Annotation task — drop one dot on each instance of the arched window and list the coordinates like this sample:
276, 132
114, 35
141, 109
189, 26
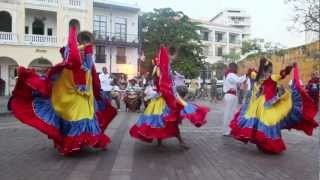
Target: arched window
38, 27
76, 23
5, 22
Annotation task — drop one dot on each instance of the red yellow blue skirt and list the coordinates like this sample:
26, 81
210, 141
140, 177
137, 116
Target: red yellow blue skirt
51, 104
158, 122
262, 125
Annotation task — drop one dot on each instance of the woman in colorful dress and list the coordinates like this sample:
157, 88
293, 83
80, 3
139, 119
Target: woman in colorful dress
269, 110
65, 104
166, 109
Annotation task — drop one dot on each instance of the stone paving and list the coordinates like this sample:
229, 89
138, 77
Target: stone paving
27, 154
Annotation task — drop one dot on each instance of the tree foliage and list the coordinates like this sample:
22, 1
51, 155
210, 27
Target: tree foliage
251, 45
166, 26
231, 57
306, 14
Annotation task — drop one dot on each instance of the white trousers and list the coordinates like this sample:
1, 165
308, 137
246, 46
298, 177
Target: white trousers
231, 103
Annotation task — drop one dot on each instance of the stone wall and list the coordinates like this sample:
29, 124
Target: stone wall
307, 57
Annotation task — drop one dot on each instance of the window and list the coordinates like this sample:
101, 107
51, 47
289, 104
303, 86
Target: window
100, 54
233, 38
121, 29
219, 51
219, 37
38, 27
100, 27
207, 51
121, 55
6, 22
204, 35
49, 31
26, 30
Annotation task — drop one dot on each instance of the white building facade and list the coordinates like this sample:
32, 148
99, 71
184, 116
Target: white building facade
236, 18
116, 27
32, 32
224, 34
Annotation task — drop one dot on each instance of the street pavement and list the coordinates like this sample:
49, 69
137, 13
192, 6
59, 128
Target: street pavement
26, 154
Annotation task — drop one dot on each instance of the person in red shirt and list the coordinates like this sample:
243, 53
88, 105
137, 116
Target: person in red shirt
313, 88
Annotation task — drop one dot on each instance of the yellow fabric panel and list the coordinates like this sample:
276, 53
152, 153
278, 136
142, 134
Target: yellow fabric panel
272, 115
155, 107
275, 77
69, 103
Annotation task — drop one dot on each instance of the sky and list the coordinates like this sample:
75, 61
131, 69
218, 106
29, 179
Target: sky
270, 18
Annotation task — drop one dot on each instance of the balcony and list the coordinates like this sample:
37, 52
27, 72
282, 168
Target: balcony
42, 4
74, 4
223, 41
40, 40
235, 42
116, 39
8, 37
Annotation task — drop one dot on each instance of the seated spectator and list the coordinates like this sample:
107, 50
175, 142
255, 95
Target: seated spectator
115, 94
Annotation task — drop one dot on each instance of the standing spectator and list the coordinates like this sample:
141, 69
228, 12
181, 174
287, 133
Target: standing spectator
178, 79
313, 88
106, 80
230, 83
241, 89
213, 89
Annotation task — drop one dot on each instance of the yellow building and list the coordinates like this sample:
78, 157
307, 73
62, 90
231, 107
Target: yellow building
32, 31
307, 57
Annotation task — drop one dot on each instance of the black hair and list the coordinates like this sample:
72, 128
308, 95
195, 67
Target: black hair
233, 66
172, 50
264, 65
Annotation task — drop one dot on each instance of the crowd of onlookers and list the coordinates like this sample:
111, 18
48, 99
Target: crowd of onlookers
136, 91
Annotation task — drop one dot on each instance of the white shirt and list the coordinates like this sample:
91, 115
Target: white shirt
179, 79
290, 82
248, 84
105, 81
231, 82
150, 93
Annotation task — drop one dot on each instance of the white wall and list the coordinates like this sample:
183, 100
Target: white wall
132, 19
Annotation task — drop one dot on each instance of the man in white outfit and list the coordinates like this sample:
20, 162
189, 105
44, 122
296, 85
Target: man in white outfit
105, 81
231, 80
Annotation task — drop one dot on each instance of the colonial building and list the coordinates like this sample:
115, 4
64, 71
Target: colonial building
32, 31
116, 29
236, 18
224, 34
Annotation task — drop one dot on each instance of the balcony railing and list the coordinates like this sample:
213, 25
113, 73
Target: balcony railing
224, 40
117, 39
8, 37
43, 3
40, 40
235, 42
77, 4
